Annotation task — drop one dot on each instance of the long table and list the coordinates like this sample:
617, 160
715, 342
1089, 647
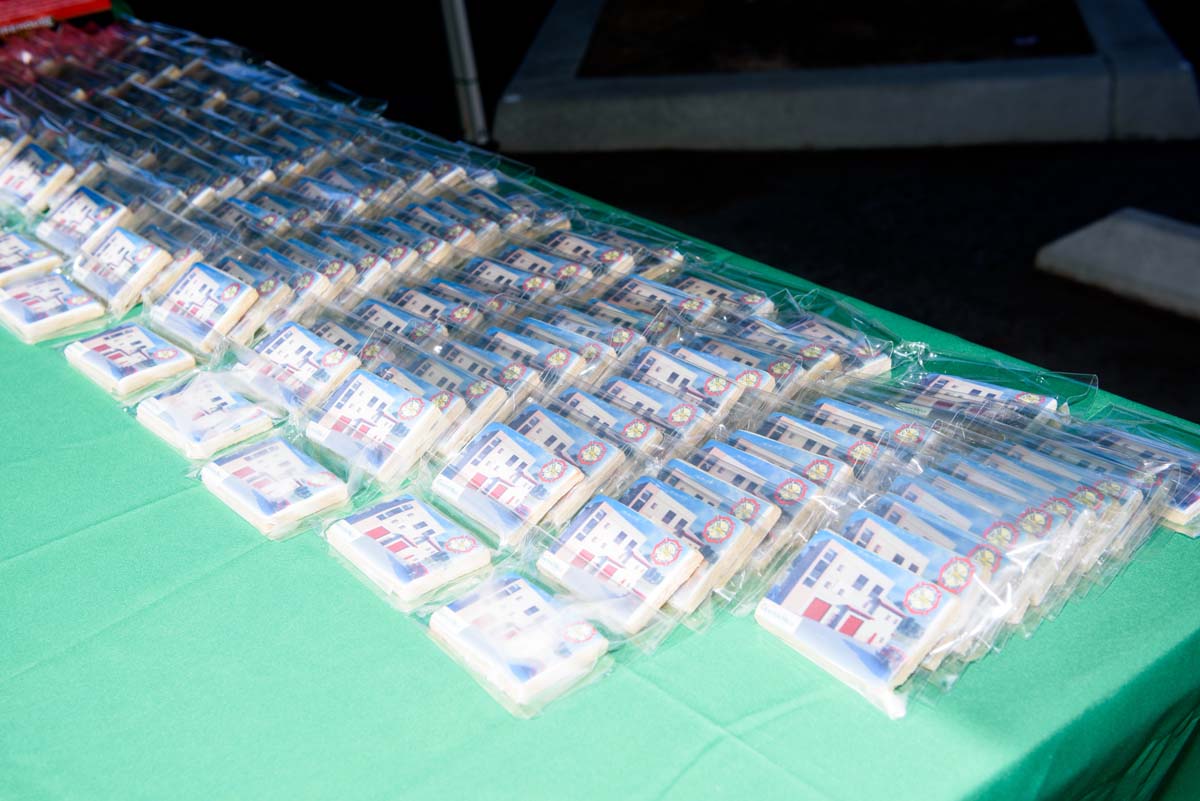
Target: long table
155, 646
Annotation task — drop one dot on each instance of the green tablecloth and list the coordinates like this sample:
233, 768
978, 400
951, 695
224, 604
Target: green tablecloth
154, 646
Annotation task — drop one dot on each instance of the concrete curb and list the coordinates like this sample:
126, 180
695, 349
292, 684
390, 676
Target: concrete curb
1135, 254
1137, 86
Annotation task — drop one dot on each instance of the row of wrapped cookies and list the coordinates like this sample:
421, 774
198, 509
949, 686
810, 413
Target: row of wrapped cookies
545, 431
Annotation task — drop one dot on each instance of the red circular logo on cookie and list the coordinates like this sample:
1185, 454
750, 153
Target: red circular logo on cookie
334, 357
861, 451
715, 385
592, 452
749, 378
681, 414
552, 471
718, 529
461, 543
557, 358
746, 509
985, 556
923, 598
230, 292
956, 574
818, 470
410, 408
790, 492
165, 354
1001, 534
1035, 522
666, 551
908, 434
579, 632
635, 430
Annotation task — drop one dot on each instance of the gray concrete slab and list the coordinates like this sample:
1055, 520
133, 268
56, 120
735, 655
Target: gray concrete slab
1138, 90
1135, 254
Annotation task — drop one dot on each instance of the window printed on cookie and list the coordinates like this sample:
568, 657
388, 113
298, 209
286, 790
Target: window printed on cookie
272, 484
401, 257
451, 405
653, 326
687, 420
45, 305
857, 451
744, 376
331, 201
827, 472
865, 356
433, 249
596, 456
420, 302
202, 306
484, 399
553, 362
489, 302
940, 391
518, 379
387, 321
375, 426
617, 261
798, 498
993, 595
250, 219
625, 341
757, 514
816, 357
505, 482
872, 422
119, 268
565, 273
339, 272
650, 253
788, 374
907, 515
127, 358
372, 272
711, 531
650, 297
733, 300
724, 555
627, 427
274, 296
433, 223
622, 564
81, 221
488, 275
1184, 503
485, 229
202, 416
716, 393
32, 177
373, 187
296, 366
863, 619
407, 548
22, 257
599, 358
919, 556
519, 640
496, 208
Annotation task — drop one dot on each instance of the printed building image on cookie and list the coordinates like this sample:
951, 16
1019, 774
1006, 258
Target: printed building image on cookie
406, 547
505, 482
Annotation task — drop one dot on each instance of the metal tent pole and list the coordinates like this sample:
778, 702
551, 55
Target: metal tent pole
466, 79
